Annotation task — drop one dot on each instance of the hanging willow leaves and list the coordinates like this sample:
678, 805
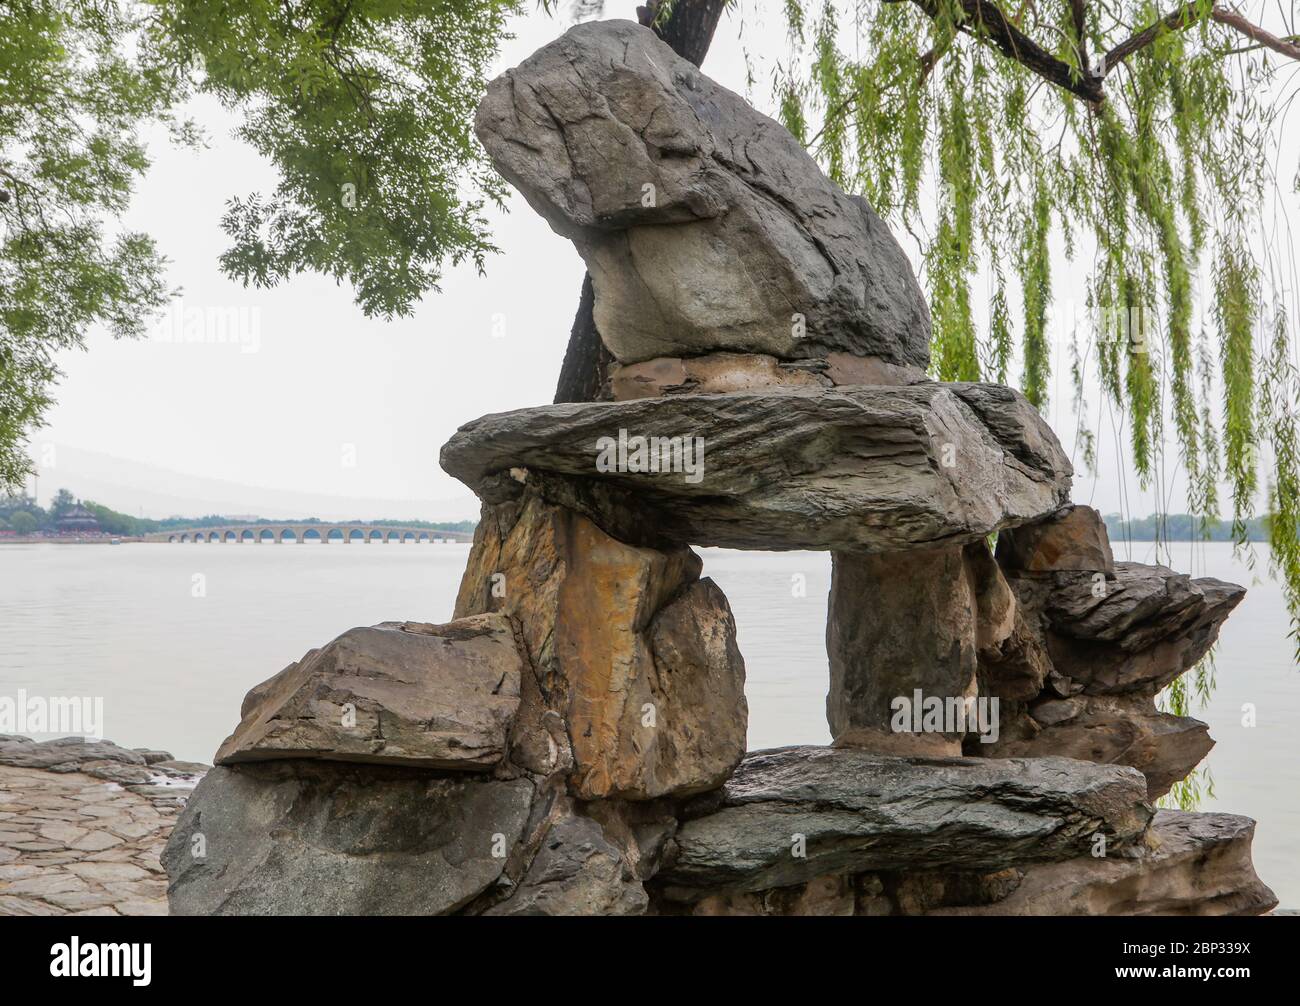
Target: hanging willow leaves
1142, 142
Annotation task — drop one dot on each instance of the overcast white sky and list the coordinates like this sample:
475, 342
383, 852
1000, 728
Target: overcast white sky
336, 415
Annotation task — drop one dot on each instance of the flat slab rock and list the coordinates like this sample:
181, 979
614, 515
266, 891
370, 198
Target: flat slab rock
704, 224
850, 811
310, 838
401, 693
856, 468
1190, 864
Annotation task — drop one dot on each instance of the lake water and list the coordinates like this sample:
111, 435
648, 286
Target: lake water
172, 636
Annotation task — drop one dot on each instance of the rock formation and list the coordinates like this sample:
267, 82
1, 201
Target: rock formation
658, 175
573, 742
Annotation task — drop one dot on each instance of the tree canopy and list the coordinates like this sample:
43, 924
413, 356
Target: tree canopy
364, 107
1140, 142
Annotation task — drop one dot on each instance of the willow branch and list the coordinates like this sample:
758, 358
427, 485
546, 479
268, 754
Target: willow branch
1185, 17
1255, 33
990, 24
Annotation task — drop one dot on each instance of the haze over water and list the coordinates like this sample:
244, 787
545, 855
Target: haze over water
124, 623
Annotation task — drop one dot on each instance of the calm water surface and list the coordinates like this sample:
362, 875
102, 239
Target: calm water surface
123, 622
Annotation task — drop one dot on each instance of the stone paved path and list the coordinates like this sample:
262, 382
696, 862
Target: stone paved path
74, 842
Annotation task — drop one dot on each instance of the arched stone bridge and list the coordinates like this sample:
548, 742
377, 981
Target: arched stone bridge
280, 533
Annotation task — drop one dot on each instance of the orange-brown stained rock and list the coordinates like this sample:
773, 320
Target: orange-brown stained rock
630, 650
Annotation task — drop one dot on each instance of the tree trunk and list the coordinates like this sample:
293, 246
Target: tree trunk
689, 31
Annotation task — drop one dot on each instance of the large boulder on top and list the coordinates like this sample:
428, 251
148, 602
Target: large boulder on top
867, 468
704, 224
402, 693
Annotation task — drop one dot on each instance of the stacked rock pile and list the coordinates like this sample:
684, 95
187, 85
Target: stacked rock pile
574, 740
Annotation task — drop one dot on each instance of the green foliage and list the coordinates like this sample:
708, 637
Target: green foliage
23, 522
1171, 527
72, 101
1150, 169
364, 107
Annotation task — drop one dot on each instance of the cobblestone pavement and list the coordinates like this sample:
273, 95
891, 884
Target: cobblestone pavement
75, 842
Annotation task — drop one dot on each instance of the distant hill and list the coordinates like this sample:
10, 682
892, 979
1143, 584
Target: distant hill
113, 522
150, 491
1179, 527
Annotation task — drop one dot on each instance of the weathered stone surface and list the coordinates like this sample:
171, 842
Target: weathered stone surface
1190, 864
1073, 538
72, 843
63, 754
665, 181
897, 622
316, 838
1111, 730
575, 872
402, 693
724, 373
862, 812
636, 677
1149, 625
1090, 651
1185, 865
853, 468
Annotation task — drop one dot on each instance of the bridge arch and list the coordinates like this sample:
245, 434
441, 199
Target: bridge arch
330, 534
229, 536
375, 536
246, 535
265, 535
356, 534
311, 534
423, 536
286, 534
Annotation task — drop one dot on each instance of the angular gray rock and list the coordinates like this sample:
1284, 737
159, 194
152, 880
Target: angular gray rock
401, 693
1185, 865
316, 838
576, 871
850, 811
666, 181
1090, 652
65, 754
1138, 631
1110, 730
852, 468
